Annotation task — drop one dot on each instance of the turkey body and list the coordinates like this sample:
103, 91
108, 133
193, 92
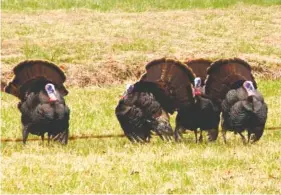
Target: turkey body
164, 88
40, 116
232, 84
204, 114
140, 111
39, 86
241, 112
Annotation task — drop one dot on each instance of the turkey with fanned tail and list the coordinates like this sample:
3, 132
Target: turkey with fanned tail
204, 112
243, 108
146, 105
39, 86
199, 68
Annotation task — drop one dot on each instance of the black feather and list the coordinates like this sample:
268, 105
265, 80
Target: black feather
139, 110
40, 113
204, 114
241, 110
40, 116
164, 88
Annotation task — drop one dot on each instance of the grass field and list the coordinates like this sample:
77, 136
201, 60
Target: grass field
114, 165
128, 5
113, 47
104, 44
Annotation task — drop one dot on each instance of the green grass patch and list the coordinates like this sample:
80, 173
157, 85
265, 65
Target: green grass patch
137, 45
113, 165
245, 46
35, 51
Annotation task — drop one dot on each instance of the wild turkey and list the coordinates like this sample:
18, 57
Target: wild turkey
243, 107
145, 106
204, 113
39, 86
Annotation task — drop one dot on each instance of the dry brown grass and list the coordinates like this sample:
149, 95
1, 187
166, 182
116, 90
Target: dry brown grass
104, 48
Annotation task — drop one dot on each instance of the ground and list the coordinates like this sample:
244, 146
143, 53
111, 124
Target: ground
101, 50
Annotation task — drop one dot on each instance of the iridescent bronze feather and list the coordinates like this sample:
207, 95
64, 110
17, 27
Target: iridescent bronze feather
29, 71
39, 86
164, 88
174, 78
226, 74
199, 67
231, 82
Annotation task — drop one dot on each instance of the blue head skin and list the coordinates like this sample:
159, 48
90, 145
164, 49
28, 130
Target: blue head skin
197, 82
249, 87
129, 89
197, 86
51, 91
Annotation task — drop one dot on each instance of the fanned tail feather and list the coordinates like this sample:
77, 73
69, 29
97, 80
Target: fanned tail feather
173, 78
199, 67
29, 71
227, 74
